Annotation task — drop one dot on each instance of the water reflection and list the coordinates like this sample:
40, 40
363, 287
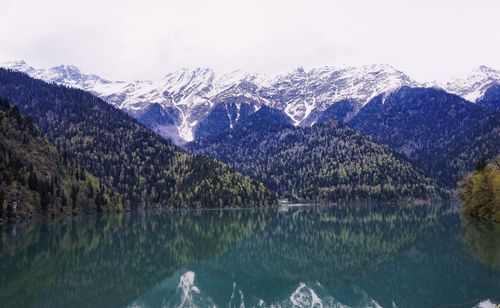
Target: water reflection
436, 271
482, 239
361, 256
109, 261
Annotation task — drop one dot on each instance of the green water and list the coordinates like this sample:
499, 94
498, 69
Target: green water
349, 256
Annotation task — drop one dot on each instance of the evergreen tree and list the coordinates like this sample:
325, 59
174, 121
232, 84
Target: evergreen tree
327, 162
2, 201
98, 140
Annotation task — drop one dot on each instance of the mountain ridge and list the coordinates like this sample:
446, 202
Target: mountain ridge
329, 162
194, 93
440, 132
193, 103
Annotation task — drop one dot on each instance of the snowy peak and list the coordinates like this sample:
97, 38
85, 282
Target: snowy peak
68, 75
71, 75
201, 83
199, 99
364, 82
183, 77
188, 84
192, 95
304, 95
473, 84
20, 65
488, 70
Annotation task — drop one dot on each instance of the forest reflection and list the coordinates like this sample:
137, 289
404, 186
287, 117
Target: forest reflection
117, 259
482, 239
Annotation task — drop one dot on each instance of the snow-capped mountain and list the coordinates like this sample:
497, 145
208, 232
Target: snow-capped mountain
187, 104
473, 85
68, 75
305, 95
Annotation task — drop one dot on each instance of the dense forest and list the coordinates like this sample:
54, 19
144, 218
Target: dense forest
342, 110
35, 179
480, 191
146, 169
330, 162
440, 132
491, 98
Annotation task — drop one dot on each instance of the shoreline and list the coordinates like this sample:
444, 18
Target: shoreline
60, 217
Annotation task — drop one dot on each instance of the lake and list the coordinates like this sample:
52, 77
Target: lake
308, 256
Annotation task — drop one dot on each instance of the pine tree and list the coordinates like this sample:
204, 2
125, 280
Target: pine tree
2, 201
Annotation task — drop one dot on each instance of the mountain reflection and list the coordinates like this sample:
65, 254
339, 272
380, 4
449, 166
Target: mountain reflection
109, 261
334, 246
304, 256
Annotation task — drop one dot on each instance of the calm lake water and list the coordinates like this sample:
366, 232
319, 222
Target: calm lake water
348, 256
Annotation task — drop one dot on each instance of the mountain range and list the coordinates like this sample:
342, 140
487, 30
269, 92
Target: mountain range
442, 133
327, 134
326, 162
190, 104
140, 167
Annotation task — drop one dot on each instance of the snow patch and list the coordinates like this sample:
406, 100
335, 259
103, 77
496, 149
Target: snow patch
304, 296
186, 285
486, 304
472, 85
297, 92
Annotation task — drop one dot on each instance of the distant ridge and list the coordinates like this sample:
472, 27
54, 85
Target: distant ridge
193, 103
328, 162
188, 101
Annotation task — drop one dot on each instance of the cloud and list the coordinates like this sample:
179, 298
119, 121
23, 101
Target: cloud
128, 39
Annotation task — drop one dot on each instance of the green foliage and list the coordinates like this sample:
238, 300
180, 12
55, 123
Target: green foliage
480, 191
328, 162
36, 180
146, 169
482, 240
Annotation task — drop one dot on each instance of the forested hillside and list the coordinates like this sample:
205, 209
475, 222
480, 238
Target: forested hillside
147, 169
491, 98
441, 132
36, 180
329, 162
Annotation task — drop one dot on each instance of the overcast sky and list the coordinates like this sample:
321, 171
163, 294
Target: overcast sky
126, 39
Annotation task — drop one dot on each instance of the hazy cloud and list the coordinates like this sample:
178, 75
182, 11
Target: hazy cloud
127, 39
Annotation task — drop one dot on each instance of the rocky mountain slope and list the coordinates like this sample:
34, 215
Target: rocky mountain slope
190, 104
187, 104
472, 85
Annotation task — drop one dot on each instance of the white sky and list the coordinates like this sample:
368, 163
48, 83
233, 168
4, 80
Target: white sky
145, 39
